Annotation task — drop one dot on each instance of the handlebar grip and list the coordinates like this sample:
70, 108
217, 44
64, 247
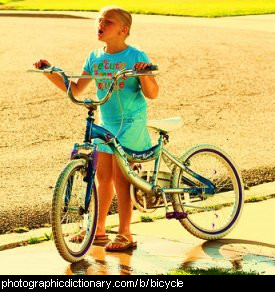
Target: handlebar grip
44, 67
148, 68
151, 68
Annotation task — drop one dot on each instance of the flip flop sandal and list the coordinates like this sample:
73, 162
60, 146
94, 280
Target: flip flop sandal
101, 239
122, 241
78, 238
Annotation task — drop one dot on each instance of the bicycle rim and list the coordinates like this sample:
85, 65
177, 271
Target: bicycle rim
68, 221
209, 216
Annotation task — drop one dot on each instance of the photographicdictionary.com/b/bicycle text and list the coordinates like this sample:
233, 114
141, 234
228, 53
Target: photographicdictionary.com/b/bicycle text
91, 282
163, 282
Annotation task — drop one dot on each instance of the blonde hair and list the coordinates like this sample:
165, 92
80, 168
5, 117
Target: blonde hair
124, 15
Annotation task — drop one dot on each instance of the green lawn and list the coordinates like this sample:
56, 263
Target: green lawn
203, 8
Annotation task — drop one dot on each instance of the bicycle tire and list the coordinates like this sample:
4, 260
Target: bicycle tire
206, 218
69, 196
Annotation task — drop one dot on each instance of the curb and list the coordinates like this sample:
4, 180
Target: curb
48, 14
12, 240
8, 241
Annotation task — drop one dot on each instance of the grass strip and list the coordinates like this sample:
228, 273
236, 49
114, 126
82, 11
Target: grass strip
45, 237
197, 8
211, 271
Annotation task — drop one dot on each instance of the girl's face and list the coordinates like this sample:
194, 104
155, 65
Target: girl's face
110, 27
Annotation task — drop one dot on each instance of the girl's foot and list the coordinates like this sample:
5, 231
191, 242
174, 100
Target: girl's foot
120, 243
78, 238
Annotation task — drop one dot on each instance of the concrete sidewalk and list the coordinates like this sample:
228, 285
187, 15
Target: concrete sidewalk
162, 246
48, 14
250, 246
18, 239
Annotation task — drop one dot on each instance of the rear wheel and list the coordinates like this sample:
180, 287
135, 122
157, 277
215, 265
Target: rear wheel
209, 216
68, 216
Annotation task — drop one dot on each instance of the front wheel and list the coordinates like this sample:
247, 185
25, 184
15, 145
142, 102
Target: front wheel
209, 216
73, 228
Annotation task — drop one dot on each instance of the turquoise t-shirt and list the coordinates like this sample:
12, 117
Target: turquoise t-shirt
132, 100
132, 133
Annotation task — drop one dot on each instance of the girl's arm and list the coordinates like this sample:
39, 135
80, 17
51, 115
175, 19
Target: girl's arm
148, 84
76, 87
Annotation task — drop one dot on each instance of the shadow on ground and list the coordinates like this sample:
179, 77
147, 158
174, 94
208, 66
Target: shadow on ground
245, 255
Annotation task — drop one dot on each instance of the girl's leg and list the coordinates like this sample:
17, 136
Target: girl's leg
105, 188
125, 206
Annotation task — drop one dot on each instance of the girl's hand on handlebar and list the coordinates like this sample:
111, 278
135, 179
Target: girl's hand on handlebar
41, 63
141, 65
148, 84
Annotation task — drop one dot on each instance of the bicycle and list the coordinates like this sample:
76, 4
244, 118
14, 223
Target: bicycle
204, 186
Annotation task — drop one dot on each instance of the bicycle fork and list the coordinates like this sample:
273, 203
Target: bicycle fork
90, 179
91, 161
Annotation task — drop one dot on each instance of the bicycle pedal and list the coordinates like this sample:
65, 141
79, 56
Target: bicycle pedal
176, 215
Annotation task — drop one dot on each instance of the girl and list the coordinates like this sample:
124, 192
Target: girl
113, 27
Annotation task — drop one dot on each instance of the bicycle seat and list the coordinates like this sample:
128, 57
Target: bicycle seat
166, 125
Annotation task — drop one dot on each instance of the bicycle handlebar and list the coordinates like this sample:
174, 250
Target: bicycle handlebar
89, 102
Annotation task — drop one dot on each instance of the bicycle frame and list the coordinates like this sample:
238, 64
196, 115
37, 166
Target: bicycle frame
124, 156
